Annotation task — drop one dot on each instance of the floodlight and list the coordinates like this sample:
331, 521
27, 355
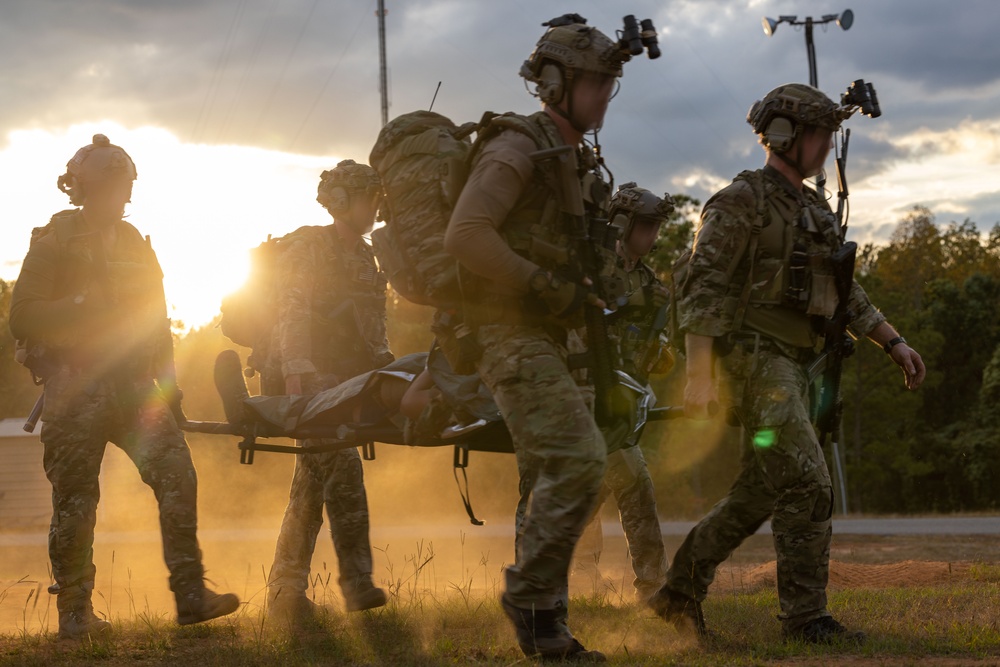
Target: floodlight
846, 19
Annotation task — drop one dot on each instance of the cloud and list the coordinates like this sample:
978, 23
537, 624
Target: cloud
301, 76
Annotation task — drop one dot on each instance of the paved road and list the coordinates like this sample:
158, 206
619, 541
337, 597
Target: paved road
974, 525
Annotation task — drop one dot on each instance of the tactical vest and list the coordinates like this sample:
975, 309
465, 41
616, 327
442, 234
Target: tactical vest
790, 277
531, 228
348, 306
130, 283
535, 228
631, 326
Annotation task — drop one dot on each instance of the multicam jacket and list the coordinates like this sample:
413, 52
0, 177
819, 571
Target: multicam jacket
786, 295
331, 306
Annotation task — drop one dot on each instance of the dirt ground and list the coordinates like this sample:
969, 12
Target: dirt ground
439, 560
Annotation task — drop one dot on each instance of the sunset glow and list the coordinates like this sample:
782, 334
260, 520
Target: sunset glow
202, 206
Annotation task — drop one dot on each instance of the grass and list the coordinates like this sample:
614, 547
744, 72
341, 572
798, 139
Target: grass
953, 624
461, 623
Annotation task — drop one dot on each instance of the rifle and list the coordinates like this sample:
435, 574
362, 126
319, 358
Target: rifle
36, 413
829, 406
598, 345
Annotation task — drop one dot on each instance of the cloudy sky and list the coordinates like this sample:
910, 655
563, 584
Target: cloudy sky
231, 108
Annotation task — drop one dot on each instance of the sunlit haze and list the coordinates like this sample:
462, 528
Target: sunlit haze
202, 206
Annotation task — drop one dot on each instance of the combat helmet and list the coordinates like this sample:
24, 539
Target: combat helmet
780, 115
99, 161
348, 178
567, 47
632, 203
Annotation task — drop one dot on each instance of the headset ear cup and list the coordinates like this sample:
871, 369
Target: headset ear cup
550, 84
780, 134
620, 220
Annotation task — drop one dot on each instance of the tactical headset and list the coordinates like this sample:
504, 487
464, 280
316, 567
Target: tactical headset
780, 134
336, 185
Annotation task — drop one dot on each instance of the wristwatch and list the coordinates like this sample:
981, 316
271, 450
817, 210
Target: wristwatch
539, 281
893, 343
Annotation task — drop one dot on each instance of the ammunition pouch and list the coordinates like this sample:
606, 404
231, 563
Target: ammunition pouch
457, 340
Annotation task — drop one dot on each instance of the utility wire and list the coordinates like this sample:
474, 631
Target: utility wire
326, 83
281, 77
217, 74
223, 131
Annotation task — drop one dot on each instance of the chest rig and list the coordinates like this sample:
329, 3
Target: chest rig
348, 308
535, 228
791, 283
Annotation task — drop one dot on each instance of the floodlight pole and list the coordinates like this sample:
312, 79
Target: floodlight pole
811, 53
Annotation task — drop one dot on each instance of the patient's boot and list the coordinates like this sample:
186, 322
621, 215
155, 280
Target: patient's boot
231, 385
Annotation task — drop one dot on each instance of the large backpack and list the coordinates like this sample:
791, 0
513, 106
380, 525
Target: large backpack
423, 160
249, 314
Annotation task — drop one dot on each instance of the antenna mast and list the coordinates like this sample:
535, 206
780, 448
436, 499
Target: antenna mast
382, 78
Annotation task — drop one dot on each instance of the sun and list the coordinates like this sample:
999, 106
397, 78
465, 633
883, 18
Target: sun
203, 207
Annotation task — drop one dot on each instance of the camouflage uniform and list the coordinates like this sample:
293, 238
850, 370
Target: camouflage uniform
107, 346
331, 327
627, 478
784, 475
524, 365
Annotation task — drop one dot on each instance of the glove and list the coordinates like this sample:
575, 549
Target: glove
561, 297
173, 398
383, 359
657, 296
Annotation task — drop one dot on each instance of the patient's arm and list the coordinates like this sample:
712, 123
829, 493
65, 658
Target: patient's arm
418, 395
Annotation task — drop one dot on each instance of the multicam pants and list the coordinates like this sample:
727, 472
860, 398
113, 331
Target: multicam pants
628, 481
80, 417
334, 479
549, 420
784, 477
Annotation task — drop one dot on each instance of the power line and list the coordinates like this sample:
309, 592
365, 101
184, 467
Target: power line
326, 83
219, 67
246, 71
274, 89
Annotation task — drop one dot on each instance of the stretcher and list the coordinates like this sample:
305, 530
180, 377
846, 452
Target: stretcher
351, 414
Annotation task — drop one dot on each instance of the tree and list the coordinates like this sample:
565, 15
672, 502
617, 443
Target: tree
17, 392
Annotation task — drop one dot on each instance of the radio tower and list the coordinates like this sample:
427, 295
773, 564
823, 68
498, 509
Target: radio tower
382, 78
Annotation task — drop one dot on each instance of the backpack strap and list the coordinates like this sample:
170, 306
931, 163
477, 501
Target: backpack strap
756, 182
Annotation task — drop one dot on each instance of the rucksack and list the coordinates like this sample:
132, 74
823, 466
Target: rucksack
423, 161
249, 314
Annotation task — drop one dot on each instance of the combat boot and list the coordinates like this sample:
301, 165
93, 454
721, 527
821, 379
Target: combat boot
201, 604
364, 596
292, 608
76, 612
680, 611
80, 623
541, 633
826, 630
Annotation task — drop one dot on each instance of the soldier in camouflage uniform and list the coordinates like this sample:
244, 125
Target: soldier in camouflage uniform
330, 327
642, 351
502, 212
89, 305
758, 310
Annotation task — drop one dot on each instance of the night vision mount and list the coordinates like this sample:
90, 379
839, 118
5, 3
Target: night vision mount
638, 36
634, 38
861, 96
